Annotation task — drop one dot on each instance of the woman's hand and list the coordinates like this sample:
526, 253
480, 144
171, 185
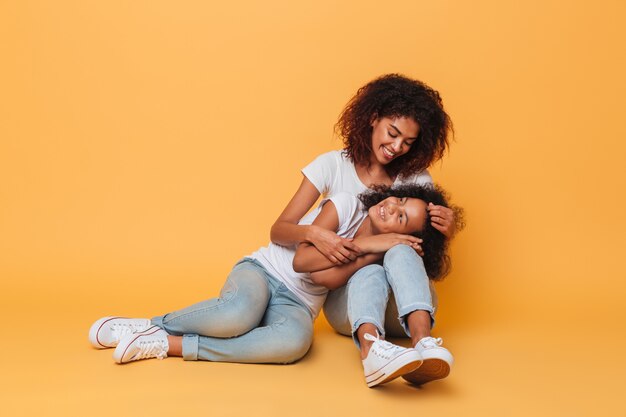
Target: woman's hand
383, 242
336, 249
442, 219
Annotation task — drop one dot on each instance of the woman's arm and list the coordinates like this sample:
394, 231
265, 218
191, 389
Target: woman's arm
287, 232
307, 257
337, 276
374, 248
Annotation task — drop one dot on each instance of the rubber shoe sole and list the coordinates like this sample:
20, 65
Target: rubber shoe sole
408, 362
431, 370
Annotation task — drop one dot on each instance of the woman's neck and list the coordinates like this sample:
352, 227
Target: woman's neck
373, 174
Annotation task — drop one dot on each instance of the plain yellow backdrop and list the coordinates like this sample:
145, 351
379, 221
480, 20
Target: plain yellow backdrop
145, 146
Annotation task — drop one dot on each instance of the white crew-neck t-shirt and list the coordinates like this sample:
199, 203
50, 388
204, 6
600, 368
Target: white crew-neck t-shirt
333, 172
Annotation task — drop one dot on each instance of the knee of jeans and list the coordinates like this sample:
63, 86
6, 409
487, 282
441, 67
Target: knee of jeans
399, 254
367, 274
248, 314
291, 349
400, 251
372, 270
240, 314
371, 277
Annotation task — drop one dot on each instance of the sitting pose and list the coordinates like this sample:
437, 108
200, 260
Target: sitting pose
393, 129
401, 286
266, 309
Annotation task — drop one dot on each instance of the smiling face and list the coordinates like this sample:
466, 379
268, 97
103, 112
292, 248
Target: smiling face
398, 215
392, 137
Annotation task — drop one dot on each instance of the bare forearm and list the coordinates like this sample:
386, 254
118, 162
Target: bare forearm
337, 276
288, 234
309, 259
286, 231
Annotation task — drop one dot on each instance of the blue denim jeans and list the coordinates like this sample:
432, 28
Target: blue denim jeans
383, 295
256, 319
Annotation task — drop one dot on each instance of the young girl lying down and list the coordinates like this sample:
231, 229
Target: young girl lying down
266, 309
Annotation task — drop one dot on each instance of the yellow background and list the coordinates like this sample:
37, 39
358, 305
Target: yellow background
145, 146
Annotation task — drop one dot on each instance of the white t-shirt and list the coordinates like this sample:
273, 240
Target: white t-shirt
278, 260
333, 172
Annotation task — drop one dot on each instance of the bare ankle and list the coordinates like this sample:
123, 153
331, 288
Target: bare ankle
366, 328
419, 322
175, 344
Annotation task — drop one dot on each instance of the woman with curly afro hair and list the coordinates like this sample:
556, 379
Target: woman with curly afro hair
393, 129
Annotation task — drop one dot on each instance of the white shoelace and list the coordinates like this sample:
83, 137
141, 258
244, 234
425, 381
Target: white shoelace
119, 330
431, 342
385, 349
155, 348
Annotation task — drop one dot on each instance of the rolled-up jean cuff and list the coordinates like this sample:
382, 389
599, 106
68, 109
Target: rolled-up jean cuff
190, 347
157, 321
363, 320
414, 307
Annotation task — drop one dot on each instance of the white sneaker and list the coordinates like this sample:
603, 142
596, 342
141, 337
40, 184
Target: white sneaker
107, 331
386, 361
151, 343
437, 361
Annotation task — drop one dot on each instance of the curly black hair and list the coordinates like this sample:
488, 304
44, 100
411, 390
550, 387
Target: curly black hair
435, 245
394, 95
